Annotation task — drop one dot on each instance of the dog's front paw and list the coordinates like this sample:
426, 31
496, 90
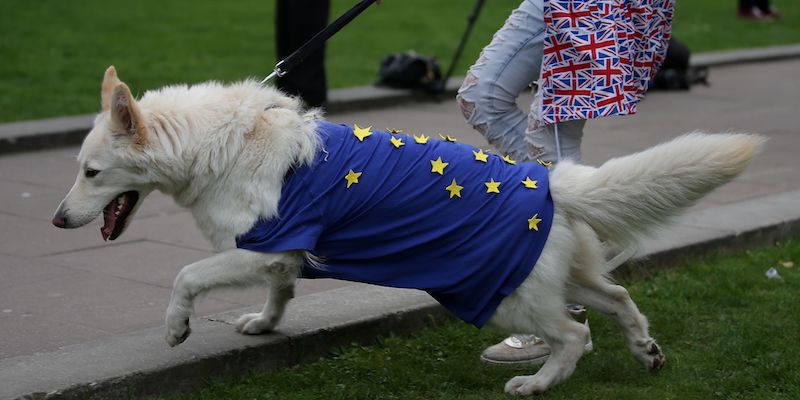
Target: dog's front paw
255, 324
177, 329
649, 353
525, 385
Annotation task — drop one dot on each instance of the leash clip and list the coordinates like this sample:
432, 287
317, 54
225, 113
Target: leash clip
279, 72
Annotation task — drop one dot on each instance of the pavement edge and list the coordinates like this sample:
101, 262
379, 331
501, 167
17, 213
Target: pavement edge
127, 366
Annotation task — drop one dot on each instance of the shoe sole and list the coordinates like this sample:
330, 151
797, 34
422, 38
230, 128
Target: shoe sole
528, 362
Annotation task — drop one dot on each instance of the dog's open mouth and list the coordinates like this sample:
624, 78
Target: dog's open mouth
116, 213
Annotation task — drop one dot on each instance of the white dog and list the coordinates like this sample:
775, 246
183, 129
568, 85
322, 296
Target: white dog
227, 152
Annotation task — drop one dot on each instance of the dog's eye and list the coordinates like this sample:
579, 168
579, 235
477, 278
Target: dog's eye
91, 173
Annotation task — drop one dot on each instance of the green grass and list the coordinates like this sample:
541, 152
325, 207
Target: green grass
728, 333
53, 53
711, 25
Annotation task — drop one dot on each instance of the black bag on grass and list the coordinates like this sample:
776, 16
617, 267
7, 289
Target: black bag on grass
410, 70
675, 72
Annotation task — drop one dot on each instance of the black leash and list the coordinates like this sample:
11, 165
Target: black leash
284, 66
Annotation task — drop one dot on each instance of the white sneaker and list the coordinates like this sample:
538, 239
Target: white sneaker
528, 350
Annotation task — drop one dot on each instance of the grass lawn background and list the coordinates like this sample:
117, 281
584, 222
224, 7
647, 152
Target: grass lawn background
727, 331
53, 53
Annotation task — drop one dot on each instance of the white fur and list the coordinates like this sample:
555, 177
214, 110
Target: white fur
223, 152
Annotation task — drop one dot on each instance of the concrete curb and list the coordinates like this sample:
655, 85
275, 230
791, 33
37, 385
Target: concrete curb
44, 134
69, 131
731, 57
748, 224
141, 364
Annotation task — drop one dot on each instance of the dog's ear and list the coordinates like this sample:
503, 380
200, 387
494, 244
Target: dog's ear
110, 81
126, 113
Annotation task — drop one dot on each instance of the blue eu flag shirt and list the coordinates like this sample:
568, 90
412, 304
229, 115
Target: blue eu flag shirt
463, 224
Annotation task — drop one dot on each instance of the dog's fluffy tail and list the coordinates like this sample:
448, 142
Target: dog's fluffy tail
628, 196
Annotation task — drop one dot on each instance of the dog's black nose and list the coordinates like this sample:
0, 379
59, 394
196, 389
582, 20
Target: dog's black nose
60, 219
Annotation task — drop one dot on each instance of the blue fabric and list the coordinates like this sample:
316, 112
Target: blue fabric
399, 227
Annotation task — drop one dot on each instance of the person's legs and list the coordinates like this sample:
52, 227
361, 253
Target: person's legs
746, 6
766, 8
505, 68
553, 142
296, 22
758, 10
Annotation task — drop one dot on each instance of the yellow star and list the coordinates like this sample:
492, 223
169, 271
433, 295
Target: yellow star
352, 177
397, 142
421, 139
530, 184
447, 138
394, 131
437, 166
508, 159
362, 133
547, 164
480, 155
454, 189
533, 223
492, 186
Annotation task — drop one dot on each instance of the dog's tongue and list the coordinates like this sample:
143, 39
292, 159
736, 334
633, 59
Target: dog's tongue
109, 219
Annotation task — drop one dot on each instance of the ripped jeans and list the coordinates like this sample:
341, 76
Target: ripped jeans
506, 67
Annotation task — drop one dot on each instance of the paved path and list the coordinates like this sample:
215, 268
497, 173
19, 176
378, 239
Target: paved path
65, 287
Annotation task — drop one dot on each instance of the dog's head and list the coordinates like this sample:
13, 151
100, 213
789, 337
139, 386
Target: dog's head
111, 177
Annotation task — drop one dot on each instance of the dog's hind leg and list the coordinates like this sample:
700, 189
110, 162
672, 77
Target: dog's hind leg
589, 287
538, 306
566, 339
232, 268
614, 301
